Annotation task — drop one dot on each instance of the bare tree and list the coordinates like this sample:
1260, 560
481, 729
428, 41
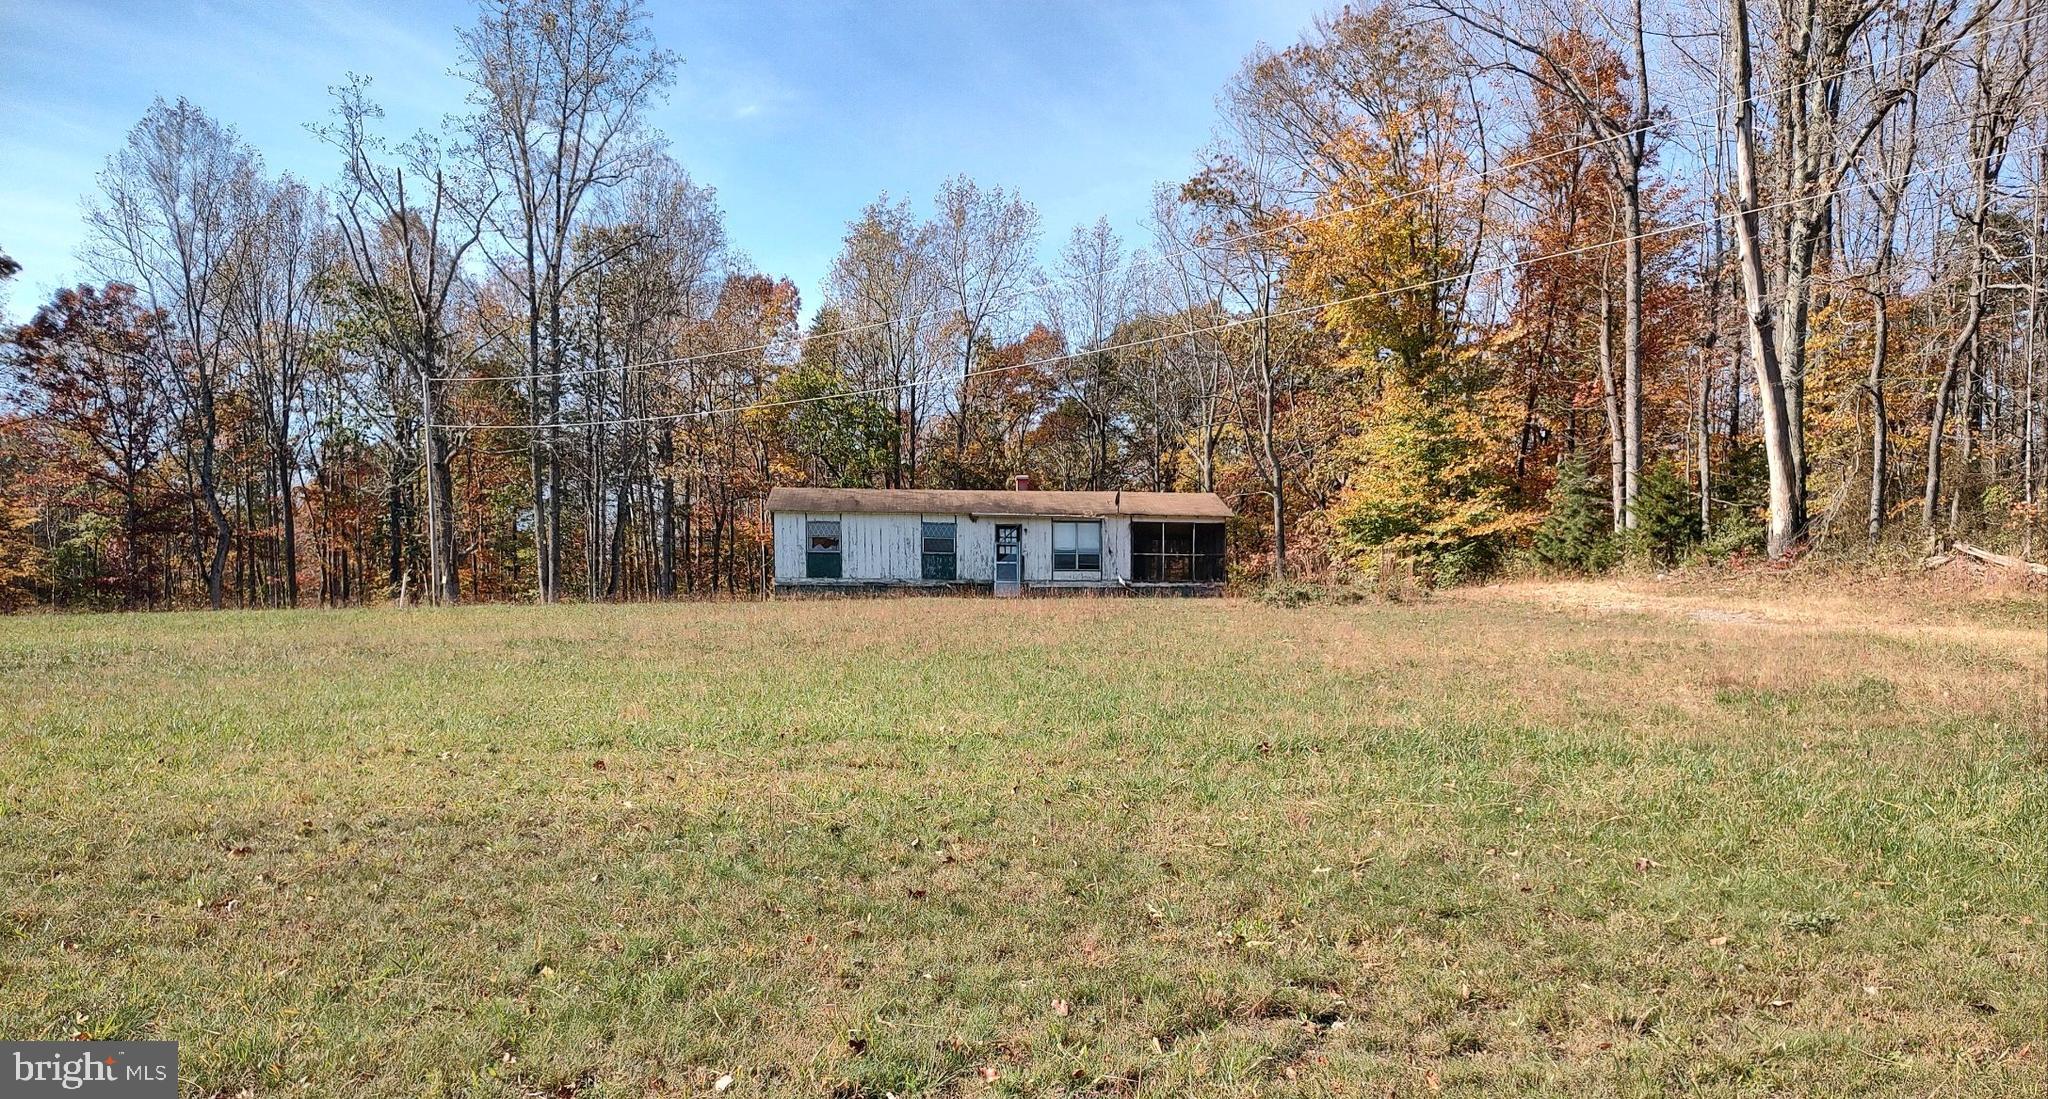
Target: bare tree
561, 90
166, 221
1238, 205
273, 314
1898, 143
407, 220
2000, 69
1090, 297
1818, 141
983, 243
1198, 367
885, 285
660, 279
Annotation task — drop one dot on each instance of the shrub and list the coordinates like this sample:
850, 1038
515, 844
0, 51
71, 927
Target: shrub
1734, 535
1302, 593
1286, 593
1393, 581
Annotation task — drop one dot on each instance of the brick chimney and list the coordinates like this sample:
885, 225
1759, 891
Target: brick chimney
1021, 483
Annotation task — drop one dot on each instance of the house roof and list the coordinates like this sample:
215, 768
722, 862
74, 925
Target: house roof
1000, 502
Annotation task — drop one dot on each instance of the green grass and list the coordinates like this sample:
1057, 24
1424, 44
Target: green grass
1098, 847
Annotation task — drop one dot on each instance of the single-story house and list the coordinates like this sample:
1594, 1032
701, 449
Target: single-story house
1005, 541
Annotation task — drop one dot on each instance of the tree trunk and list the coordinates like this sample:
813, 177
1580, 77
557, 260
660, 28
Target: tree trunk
665, 568
2031, 419
615, 563
1267, 397
1617, 453
1879, 426
289, 517
1775, 411
1631, 347
395, 520
1636, 153
960, 414
1705, 428
444, 578
1959, 350
223, 531
450, 579
1888, 203
131, 533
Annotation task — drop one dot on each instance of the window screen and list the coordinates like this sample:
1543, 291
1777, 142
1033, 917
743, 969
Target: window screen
940, 551
821, 549
1209, 563
1077, 547
1177, 553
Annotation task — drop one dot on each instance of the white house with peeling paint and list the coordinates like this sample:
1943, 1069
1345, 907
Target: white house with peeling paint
839, 539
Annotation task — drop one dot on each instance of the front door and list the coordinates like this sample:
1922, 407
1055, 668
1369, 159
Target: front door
1009, 559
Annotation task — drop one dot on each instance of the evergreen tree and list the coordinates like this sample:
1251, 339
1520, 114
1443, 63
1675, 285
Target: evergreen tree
1667, 515
1577, 534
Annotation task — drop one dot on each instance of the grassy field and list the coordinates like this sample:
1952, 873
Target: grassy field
1566, 840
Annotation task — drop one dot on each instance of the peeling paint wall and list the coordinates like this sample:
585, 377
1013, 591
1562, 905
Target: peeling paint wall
890, 548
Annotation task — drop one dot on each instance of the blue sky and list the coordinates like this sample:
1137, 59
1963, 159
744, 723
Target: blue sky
798, 113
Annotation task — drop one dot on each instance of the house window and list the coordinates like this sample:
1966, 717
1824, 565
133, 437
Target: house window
1177, 553
940, 559
1077, 547
821, 549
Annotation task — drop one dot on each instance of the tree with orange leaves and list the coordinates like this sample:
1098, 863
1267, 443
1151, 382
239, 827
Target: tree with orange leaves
83, 363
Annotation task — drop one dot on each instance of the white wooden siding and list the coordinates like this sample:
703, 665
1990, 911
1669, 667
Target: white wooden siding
975, 550
889, 548
789, 546
880, 547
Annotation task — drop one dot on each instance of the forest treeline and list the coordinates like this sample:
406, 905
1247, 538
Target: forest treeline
1454, 283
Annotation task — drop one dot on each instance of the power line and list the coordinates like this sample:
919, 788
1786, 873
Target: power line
801, 338
670, 417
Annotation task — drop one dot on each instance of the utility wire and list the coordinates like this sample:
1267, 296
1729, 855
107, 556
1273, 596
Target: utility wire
1141, 260
1662, 231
